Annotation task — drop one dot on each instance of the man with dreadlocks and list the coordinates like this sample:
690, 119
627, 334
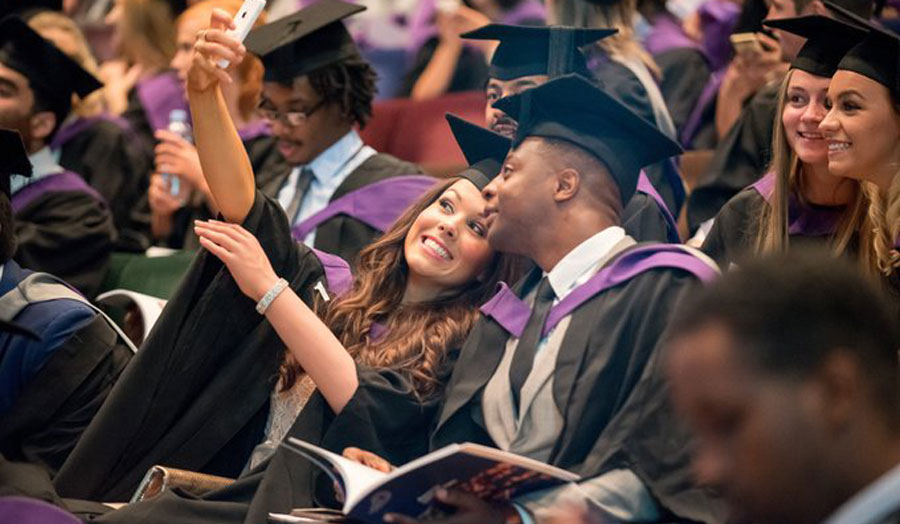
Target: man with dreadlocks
316, 88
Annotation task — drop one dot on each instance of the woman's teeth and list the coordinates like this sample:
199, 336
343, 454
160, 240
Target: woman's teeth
437, 248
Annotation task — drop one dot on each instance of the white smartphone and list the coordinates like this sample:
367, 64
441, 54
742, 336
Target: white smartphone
243, 21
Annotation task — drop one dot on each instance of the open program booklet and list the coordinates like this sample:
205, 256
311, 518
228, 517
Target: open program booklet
369, 494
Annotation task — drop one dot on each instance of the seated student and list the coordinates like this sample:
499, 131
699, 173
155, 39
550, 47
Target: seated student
214, 379
799, 199
139, 86
316, 88
570, 374
98, 146
530, 56
787, 373
865, 95
443, 63
743, 155
50, 386
627, 72
173, 215
62, 225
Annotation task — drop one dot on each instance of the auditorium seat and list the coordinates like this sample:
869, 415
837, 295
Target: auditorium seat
416, 131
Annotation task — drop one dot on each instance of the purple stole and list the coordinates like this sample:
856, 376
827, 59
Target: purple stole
65, 181
707, 97
512, 313
377, 205
645, 186
79, 125
159, 95
254, 129
803, 220
338, 277
667, 35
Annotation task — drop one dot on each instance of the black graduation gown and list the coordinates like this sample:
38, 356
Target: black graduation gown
69, 234
383, 416
733, 235
643, 220
342, 235
471, 71
118, 167
685, 72
741, 158
52, 410
610, 386
267, 163
196, 395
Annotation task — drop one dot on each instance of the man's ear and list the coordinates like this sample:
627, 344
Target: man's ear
841, 383
42, 125
568, 182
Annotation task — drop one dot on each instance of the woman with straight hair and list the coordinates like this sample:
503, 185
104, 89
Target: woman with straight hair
799, 200
278, 339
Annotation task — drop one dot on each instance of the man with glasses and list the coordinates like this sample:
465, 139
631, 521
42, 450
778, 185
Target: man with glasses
317, 88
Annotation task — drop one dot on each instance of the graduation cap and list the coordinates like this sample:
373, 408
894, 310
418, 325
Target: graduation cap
531, 50
13, 158
877, 56
309, 39
52, 75
572, 109
484, 150
827, 41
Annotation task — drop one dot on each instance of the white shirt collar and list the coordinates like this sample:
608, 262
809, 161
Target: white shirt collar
874, 503
43, 163
331, 161
567, 273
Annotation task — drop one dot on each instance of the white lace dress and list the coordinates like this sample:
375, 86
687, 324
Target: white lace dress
284, 406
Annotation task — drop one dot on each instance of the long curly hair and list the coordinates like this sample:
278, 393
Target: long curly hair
772, 229
417, 336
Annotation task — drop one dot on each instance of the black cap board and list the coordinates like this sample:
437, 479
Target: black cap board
877, 56
572, 109
309, 39
13, 158
484, 150
827, 41
530, 50
52, 75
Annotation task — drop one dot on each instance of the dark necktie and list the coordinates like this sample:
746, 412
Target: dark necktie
523, 358
303, 181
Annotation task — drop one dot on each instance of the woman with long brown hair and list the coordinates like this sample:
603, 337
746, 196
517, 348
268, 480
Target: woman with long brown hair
217, 382
799, 200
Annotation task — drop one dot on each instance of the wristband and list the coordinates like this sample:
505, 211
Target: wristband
270, 296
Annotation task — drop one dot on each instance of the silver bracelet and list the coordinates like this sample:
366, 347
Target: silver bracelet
270, 296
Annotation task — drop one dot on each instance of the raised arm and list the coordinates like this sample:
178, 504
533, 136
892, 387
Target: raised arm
310, 342
223, 158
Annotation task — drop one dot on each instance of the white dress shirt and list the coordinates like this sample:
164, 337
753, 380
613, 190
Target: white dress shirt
875, 503
330, 169
43, 164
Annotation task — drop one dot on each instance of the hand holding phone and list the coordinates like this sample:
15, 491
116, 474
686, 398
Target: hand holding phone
243, 21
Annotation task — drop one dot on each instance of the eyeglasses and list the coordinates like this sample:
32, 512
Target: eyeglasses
291, 118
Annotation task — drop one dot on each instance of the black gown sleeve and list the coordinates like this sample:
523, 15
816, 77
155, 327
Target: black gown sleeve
69, 234
733, 234
685, 73
471, 71
741, 158
196, 394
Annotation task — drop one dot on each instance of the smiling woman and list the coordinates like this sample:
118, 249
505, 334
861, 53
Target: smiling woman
800, 199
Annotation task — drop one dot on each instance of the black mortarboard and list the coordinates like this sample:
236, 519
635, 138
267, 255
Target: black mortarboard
309, 39
13, 158
530, 50
572, 109
877, 56
827, 41
484, 150
52, 75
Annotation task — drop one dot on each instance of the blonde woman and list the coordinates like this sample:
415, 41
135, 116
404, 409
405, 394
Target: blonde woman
799, 200
97, 145
863, 131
